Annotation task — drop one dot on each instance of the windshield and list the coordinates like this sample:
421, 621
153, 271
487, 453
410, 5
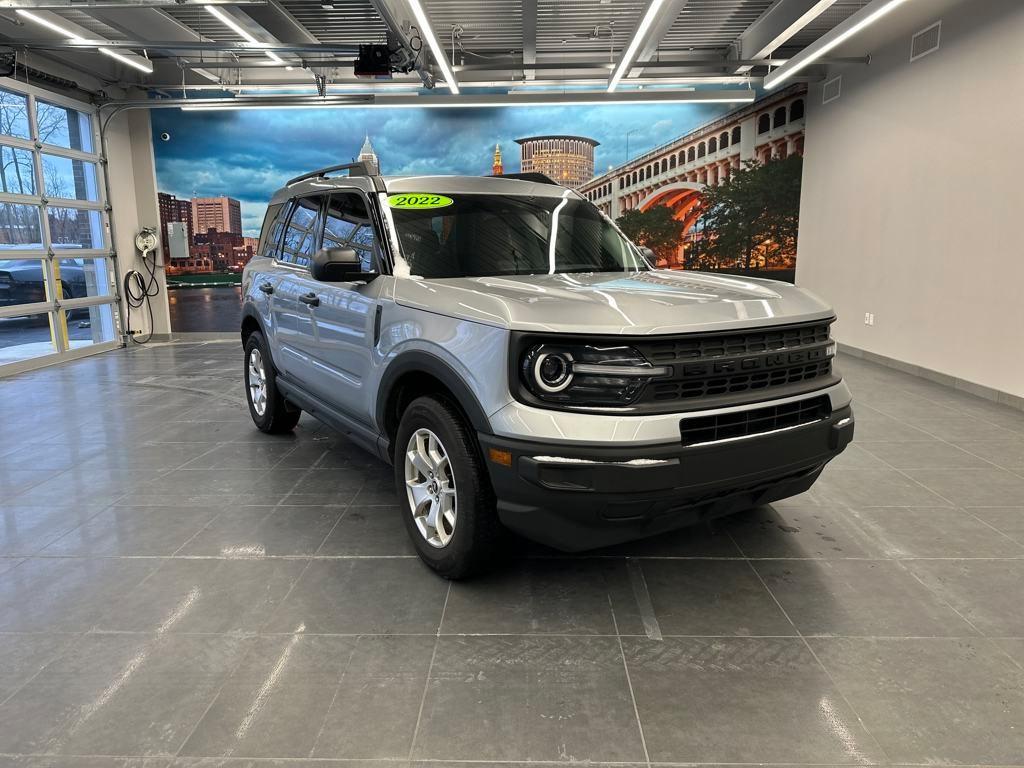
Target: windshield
485, 235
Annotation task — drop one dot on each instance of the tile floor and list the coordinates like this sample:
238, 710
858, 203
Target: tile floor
177, 589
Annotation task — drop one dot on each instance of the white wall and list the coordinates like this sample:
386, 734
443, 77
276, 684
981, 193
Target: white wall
913, 199
133, 198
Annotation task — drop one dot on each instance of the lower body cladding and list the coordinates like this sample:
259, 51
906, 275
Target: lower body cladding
574, 498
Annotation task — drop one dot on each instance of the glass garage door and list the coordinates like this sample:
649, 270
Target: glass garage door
57, 284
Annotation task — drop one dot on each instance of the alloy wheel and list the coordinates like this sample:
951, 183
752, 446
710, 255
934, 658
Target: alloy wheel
430, 486
257, 382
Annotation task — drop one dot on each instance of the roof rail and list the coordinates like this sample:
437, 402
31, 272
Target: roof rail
535, 176
354, 169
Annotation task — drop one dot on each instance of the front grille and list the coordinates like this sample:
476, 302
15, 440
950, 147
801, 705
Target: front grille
737, 367
723, 426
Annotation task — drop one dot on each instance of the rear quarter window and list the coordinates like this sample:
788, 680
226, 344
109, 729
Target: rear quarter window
270, 234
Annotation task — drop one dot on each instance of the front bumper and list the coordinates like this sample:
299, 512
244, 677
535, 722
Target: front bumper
581, 497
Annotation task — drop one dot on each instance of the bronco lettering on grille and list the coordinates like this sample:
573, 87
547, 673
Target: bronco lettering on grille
757, 363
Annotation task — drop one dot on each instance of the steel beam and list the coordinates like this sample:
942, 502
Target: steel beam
777, 25
178, 45
529, 37
57, 5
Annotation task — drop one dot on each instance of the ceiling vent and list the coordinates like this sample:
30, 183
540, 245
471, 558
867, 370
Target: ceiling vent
831, 89
926, 41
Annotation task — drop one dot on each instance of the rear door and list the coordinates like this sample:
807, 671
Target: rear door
344, 314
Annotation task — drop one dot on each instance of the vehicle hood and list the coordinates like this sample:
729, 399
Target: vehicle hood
655, 302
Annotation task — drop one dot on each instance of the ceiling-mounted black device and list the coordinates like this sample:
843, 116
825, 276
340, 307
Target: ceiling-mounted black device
374, 61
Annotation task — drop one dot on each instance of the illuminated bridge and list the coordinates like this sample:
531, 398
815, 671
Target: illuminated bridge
675, 173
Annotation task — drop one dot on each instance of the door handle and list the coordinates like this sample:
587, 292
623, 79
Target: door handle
310, 298
267, 288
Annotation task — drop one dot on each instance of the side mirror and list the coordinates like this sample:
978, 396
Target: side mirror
648, 254
339, 265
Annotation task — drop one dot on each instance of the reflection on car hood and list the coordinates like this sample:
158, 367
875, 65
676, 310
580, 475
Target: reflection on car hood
660, 301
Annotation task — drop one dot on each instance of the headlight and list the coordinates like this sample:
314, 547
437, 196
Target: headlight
586, 374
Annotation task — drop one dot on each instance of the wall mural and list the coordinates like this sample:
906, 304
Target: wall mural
703, 186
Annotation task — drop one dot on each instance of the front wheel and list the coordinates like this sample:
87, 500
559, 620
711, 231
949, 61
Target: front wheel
269, 411
444, 493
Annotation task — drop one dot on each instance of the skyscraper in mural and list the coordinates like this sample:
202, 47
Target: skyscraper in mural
569, 160
368, 156
497, 168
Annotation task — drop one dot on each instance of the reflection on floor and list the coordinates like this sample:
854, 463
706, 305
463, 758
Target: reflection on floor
175, 585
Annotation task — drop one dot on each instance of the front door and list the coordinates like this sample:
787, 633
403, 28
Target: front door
342, 315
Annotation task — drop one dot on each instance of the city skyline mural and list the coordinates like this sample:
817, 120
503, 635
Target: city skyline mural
690, 181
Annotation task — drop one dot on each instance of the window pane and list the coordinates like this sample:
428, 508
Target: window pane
21, 281
90, 325
80, 278
75, 228
299, 237
20, 227
22, 338
16, 173
69, 179
64, 127
13, 114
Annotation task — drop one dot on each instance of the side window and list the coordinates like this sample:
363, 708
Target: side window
347, 225
270, 234
300, 234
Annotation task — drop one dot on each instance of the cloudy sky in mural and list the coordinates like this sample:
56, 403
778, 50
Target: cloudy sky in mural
249, 154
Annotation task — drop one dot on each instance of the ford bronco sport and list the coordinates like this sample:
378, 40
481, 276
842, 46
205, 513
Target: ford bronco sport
522, 366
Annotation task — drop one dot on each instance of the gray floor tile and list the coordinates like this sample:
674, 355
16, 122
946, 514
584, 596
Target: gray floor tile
924, 455
381, 596
874, 488
712, 597
273, 484
23, 656
986, 592
742, 700
856, 457
26, 530
154, 456
536, 698
123, 530
239, 455
962, 428
906, 532
65, 595
706, 540
1008, 454
188, 595
858, 598
801, 531
379, 488
376, 702
368, 531
932, 701
118, 695
974, 487
572, 596
240, 532
1007, 520
274, 703
86, 485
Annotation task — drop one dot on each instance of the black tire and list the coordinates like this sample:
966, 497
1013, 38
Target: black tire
278, 416
477, 533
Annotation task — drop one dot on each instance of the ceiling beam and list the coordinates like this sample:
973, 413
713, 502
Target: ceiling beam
775, 26
666, 17
279, 22
178, 45
55, 24
85, 5
529, 37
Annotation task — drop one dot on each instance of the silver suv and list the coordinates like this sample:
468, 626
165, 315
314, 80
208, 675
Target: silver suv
522, 366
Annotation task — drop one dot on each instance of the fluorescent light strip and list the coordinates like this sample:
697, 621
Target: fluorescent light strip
446, 102
641, 32
72, 36
238, 29
435, 48
838, 35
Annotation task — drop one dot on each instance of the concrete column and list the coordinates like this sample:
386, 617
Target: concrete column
132, 174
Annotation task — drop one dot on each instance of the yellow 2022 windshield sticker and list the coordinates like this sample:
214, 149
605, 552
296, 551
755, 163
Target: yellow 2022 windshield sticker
419, 201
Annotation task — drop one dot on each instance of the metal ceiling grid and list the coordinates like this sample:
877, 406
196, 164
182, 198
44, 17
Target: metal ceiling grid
202, 23
89, 22
492, 27
346, 22
712, 24
582, 25
836, 14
